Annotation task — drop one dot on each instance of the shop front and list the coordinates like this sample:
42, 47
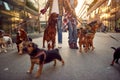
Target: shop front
107, 12
12, 14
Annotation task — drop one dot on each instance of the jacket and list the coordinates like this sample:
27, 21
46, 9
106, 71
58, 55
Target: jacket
61, 4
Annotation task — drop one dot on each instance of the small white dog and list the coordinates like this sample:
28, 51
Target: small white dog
8, 41
5, 42
2, 45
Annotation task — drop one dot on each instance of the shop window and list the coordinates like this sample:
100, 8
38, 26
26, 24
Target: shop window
6, 6
1, 5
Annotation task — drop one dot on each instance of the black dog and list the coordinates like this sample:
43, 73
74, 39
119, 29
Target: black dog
41, 57
116, 55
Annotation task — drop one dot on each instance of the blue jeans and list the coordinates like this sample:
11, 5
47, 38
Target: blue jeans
59, 27
72, 33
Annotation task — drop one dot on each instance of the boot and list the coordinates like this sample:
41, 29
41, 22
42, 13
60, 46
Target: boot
71, 45
75, 46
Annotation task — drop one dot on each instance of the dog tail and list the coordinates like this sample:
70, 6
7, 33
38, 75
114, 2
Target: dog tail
113, 48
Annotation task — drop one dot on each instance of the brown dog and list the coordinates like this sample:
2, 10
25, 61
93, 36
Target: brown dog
86, 37
21, 38
50, 32
82, 39
41, 57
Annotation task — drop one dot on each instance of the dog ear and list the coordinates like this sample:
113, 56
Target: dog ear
34, 45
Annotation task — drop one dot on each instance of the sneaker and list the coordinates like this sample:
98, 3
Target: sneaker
75, 47
71, 45
20, 52
59, 45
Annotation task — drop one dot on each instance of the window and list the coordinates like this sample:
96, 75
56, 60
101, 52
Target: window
1, 5
6, 6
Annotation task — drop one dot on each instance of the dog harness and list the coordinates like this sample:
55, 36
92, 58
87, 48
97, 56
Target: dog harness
38, 53
41, 53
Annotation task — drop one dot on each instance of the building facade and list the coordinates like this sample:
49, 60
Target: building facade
13, 12
106, 12
83, 11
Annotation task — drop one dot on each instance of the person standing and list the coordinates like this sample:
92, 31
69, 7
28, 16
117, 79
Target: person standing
58, 7
71, 21
73, 27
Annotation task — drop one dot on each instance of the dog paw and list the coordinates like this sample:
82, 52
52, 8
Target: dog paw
43, 46
5, 51
63, 63
28, 72
37, 76
93, 48
80, 51
111, 64
117, 62
20, 53
54, 65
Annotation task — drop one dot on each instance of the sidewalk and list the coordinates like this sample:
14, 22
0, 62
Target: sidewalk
115, 36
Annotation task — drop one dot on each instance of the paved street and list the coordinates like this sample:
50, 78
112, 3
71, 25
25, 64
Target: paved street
94, 65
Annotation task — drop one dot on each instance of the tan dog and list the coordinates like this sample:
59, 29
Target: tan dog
41, 57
